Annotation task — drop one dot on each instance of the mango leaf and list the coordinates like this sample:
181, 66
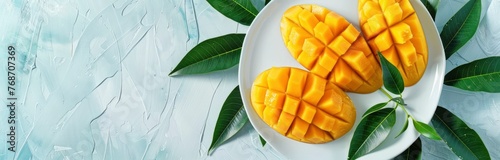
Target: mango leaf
241, 11
461, 27
431, 6
375, 108
399, 100
211, 55
371, 132
262, 141
414, 152
393, 81
479, 75
426, 130
405, 126
232, 118
461, 139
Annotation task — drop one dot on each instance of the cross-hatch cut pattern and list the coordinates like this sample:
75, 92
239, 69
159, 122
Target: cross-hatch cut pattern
329, 46
392, 27
302, 105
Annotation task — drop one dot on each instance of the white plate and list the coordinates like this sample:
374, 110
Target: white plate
263, 48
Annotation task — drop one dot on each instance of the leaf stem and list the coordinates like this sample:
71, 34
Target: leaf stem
386, 93
397, 103
404, 109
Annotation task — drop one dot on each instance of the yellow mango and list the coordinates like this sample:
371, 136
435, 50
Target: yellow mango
319, 39
392, 27
311, 109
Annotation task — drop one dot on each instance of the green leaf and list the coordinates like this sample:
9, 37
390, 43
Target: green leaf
393, 81
375, 108
426, 130
241, 11
262, 141
371, 132
479, 75
211, 55
461, 139
405, 126
399, 100
414, 152
232, 118
431, 6
461, 27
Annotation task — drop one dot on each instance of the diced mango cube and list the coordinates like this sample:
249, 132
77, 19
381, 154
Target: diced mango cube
308, 20
278, 78
296, 85
314, 89
299, 128
259, 108
298, 35
371, 8
324, 120
339, 129
274, 99
328, 59
284, 123
291, 105
258, 94
339, 45
385, 3
271, 115
401, 33
295, 50
336, 22
312, 47
407, 53
383, 41
306, 60
393, 14
323, 33
353, 57
320, 71
331, 102
420, 64
319, 12
306, 112
376, 23
350, 33
407, 8
293, 14
316, 135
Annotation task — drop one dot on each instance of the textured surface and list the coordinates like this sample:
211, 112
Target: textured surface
328, 45
92, 81
302, 105
392, 27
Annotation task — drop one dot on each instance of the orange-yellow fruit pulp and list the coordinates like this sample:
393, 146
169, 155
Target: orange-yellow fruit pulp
392, 27
301, 105
329, 46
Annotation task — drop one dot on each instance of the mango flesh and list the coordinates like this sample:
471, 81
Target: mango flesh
329, 46
392, 27
301, 105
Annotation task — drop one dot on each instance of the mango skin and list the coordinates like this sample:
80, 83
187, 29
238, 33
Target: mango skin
393, 28
329, 46
301, 105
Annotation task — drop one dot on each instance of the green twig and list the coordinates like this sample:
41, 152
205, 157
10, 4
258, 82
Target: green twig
386, 93
397, 103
